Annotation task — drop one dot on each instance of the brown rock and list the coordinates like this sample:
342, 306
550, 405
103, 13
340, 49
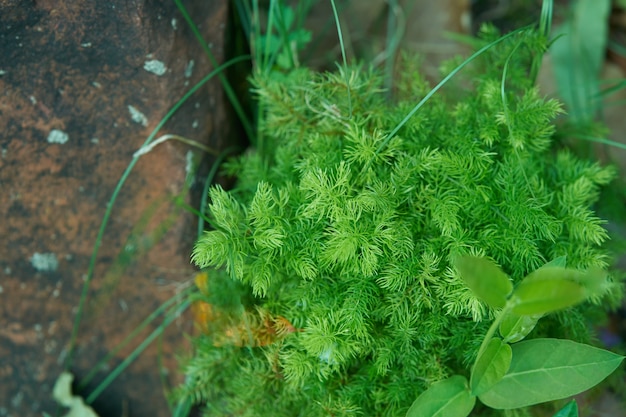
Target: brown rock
82, 85
419, 26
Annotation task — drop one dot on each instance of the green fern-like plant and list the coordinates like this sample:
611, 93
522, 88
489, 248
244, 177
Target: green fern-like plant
341, 237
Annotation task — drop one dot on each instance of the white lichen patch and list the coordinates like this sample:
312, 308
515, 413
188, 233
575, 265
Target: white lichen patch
44, 262
327, 356
62, 393
189, 166
57, 136
192, 160
137, 116
174, 23
155, 66
189, 68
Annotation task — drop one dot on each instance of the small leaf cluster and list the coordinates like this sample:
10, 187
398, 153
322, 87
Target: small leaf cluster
509, 374
349, 234
282, 47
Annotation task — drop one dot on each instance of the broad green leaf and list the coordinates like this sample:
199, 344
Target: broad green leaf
552, 272
448, 398
561, 261
514, 328
490, 366
485, 279
570, 410
549, 369
593, 280
546, 290
578, 56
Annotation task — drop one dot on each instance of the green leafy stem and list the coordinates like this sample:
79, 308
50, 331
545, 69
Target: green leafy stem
509, 373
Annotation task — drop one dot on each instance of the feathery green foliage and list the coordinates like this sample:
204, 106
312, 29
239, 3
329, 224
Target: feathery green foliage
510, 375
351, 243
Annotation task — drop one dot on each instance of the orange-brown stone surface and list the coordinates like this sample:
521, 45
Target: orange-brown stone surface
82, 84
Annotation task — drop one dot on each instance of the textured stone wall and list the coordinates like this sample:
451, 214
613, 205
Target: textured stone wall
82, 84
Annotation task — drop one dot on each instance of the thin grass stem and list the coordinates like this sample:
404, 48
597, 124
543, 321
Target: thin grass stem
283, 31
230, 92
116, 191
441, 84
601, 140
205, 192
145, 149
343, 55
505, 109
396, 25
268, 59
156, 313
135, 353
545, 27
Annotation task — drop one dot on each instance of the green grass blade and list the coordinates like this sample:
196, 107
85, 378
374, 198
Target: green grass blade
244, 14
505, 70
343, 55
578, 57
545, 27
116, 191
396, 26
442, 83
142, 346
545, 21
256, 39
283, 31
268, 59
614, 89
601, 140
156, 313
207, 184
183, 408
617, 48
230, 92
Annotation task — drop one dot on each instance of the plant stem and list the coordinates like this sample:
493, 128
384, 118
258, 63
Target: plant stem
492, 330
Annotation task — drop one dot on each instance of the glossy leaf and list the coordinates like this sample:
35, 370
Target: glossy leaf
549, 369
550, 272
594, 280
569, 410
448, 398
491, 366
546, 290
561, 261
485, 279
584, 39
514, 328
